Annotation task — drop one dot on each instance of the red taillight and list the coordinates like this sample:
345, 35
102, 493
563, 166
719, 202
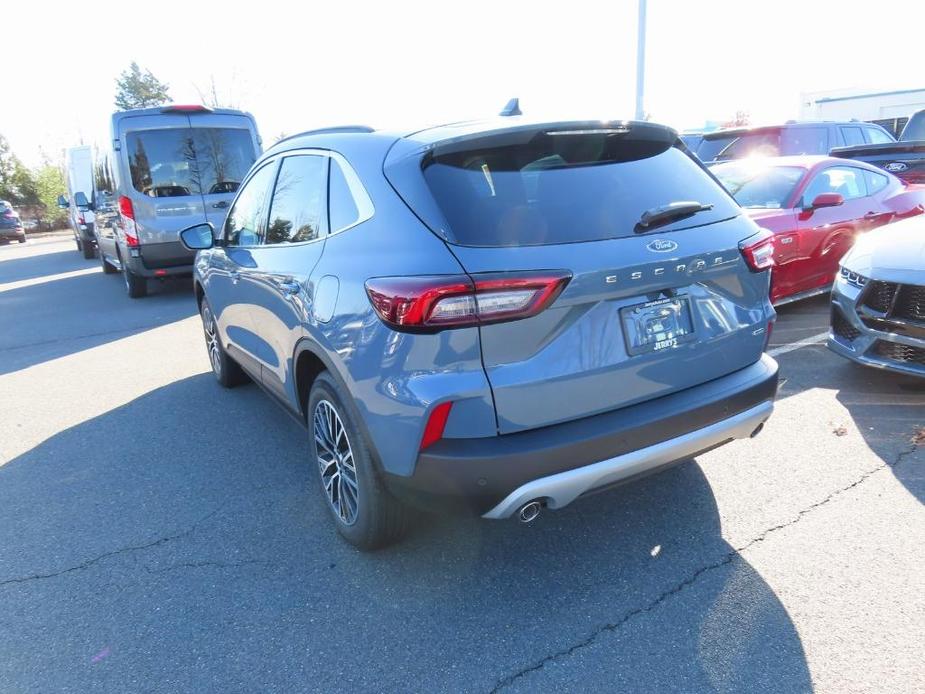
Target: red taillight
421, 304
80, 218
128, 212
758, 250
436, 423
186, 108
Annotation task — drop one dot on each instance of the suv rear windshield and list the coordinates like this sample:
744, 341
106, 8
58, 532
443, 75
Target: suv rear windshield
566, 188
176, 162
915, 128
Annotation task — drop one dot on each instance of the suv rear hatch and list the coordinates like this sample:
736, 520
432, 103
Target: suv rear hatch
648, 310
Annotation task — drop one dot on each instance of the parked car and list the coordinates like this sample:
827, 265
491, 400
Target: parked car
495, 316
10, 224
78, 167
878, 302
162, 170
816, 207
791, 138
905, 158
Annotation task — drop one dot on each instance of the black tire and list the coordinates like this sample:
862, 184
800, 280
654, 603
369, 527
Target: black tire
87, 249
379, 518
135, 286
226, 370
22, 240
108, 268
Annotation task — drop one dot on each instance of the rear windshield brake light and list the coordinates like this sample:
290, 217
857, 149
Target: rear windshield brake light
186, 108
430, 304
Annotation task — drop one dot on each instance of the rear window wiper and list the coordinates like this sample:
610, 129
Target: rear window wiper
657, 216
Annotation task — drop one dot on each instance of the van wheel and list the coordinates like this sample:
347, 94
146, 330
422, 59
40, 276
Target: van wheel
86, 248
227, 371
22, 240
364, 511
137, 287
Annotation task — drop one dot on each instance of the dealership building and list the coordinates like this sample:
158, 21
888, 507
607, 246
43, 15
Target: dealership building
890, 109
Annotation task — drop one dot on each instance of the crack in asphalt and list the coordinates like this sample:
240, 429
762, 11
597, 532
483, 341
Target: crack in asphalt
692, 579
131, 548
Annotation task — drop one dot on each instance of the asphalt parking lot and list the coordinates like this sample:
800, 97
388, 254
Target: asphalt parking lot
162, 534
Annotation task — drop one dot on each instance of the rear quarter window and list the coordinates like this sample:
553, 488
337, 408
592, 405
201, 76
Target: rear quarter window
566, 189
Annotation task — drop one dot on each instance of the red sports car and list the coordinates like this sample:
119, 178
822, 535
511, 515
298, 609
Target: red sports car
815, 206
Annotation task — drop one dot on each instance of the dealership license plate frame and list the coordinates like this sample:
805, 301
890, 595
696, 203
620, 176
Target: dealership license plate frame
644, 325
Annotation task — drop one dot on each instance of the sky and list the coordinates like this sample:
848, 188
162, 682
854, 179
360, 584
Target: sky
301, 65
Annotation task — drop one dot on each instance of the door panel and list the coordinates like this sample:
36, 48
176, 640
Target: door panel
282, 266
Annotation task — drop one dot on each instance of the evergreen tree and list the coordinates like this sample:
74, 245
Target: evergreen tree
137, 89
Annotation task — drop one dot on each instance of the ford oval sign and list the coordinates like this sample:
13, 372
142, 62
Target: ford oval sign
896, 166
662, 246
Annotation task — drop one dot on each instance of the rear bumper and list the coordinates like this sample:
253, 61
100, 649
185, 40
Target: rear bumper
13, 233
161, 260
495, 476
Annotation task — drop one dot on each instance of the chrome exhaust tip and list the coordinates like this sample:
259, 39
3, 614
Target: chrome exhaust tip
529, 511
757, 431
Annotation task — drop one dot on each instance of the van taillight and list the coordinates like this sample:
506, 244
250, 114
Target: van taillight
429, 304
758, 250
80, 218
128, 212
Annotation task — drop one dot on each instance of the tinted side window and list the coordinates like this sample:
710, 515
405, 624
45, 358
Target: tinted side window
877, 136
103, 183
299, 208
247, 218
344, 210
804, 141
853, 135
875, 182
846, 181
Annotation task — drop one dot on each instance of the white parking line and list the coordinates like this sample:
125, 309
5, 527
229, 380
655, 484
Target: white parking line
8, 286
814, 340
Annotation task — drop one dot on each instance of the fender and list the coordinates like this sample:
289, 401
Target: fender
338, 372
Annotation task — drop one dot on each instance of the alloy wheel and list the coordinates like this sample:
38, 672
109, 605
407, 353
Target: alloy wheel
335, 462
215, 356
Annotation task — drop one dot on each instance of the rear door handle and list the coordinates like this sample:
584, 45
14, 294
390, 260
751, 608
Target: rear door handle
221, 205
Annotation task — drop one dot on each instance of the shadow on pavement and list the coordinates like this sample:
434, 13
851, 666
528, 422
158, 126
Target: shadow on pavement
182, 536
889, 410
52, 319
35, 266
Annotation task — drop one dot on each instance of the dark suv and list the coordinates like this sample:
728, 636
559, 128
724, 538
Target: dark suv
10, 224
806, 137
495, 316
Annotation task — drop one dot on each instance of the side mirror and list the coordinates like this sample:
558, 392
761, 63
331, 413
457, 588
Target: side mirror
198, 237
62, 202
80, 199
827, 200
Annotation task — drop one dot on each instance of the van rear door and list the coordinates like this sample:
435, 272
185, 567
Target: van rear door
226, 147
181, 169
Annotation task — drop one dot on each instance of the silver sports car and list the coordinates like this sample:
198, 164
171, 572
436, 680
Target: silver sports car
878, 301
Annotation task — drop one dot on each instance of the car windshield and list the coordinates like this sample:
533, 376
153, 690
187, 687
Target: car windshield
178, 162
765, 143
759, 186
709, 148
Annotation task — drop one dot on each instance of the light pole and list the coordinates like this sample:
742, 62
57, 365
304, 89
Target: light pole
641, 62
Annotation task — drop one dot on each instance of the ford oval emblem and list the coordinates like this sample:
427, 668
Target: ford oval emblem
662, 246
896, 166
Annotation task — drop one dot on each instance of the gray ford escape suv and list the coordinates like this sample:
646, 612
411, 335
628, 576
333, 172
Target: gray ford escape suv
495, 316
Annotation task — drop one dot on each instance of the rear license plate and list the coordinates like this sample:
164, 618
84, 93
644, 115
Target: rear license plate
657, 325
